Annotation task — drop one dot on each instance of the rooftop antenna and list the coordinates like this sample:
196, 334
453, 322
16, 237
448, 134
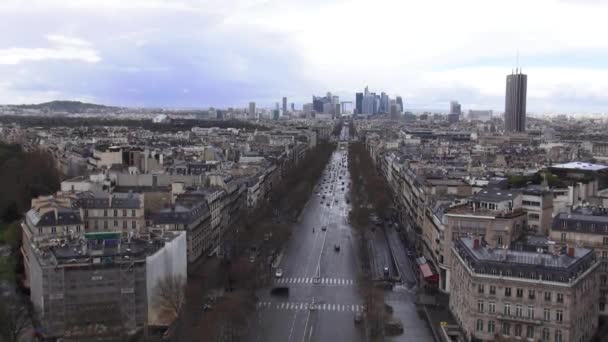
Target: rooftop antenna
517, 61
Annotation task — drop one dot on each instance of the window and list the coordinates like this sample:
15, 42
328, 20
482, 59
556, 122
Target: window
96, 225
105, 224
546, 334
124, 212
560, 297
507, 309
518, 330
558, 335
507, 292
491, 326
603, 280
530, 311
506, 329
547, 314
548, 296
564, 235
133, 212
530, 331
492, 289
124, 224
604, 254
105, 213
605, 241
479, 325
480, 306
531, 294
499, 241
602, 306
39, 230
520, 293
559, 315
78, 228
115, 223
480, 288
491, 307
519, 310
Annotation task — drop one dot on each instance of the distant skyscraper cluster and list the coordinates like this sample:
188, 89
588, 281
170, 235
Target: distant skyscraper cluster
328, 104
372, 103
515, 102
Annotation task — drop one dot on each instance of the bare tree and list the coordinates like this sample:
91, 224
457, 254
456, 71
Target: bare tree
14, 320
170, 295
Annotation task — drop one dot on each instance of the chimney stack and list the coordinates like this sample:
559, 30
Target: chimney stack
570, 251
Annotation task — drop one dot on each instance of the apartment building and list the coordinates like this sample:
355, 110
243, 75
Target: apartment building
190, 213
586, 227
117, 212
493, 214
98, 286
505, 295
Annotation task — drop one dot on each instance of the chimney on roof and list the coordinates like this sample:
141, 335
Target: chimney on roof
476, 243
570, 251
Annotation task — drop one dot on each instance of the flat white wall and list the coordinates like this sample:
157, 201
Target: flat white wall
169, 261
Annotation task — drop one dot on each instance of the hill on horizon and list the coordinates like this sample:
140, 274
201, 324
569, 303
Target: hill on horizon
65, 106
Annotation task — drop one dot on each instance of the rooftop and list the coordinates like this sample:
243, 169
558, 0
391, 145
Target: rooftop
555, 267
100, 248
495, 195
580, 166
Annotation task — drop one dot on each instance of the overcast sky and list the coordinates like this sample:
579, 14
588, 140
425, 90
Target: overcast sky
200, 53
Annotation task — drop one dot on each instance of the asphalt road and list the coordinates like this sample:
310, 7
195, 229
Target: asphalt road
316, 274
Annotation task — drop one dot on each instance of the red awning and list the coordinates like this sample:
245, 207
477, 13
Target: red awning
426, 270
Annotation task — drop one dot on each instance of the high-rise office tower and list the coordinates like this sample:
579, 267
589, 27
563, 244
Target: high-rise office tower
358, 103
515, 102
284, 105
384, 103
400, 104
293, 107
455, 108
251, 113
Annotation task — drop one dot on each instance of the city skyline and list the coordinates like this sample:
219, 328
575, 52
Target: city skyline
237, 51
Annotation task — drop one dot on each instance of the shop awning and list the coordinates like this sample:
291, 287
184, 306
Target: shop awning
427, 273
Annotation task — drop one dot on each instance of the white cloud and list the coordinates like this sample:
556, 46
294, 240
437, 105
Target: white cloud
65, 48
63, 40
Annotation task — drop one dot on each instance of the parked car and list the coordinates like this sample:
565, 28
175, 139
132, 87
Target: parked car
278, 273
336, 247
324, 228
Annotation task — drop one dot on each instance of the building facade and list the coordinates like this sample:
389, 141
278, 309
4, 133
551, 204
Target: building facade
515, 102
506, 295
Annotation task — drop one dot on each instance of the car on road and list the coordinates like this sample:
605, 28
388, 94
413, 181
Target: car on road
324, 228
328, 204
358, 317
280, 291
278, 273
393, 328
336, 247
385, 271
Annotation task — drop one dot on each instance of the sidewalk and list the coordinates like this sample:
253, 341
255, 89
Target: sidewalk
438, 314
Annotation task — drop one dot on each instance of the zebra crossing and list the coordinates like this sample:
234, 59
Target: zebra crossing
323, 281
309, 306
